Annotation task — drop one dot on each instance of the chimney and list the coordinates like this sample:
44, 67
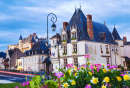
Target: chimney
65, 25
34, 34
31, 35
90, 26
125, 39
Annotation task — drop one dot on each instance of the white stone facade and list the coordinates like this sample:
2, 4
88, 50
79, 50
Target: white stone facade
34, 62
91, 48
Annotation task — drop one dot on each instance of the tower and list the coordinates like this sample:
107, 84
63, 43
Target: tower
20, 42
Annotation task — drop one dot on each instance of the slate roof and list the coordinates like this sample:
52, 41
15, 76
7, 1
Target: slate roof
56, 36
20, 38
39, 46
128, 43
79, 19
2, 55
10, 52
116, 35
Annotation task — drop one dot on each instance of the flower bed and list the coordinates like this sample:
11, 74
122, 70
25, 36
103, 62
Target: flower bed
87, 76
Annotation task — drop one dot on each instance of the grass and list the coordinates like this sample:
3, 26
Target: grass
11, 85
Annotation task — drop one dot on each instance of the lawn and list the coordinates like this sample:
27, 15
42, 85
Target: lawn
11, 85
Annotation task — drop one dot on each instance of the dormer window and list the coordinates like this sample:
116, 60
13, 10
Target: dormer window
73, 36
102, 36
36, 52
64, 37
42, 51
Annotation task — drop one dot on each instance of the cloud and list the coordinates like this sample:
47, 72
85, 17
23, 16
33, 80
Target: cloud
30, 16
3, 44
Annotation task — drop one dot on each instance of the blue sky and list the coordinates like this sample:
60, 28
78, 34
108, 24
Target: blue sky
29, 16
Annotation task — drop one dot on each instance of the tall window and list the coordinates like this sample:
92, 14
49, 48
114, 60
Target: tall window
64, 37
76, 62
108, 61
35, 58
65, 62
29, 59
65, 49
73, 35
101, 48
107, 49
32, 59
42, 58
75, 47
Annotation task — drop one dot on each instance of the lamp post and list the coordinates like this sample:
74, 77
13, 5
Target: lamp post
53, 19
57, 44
115, 50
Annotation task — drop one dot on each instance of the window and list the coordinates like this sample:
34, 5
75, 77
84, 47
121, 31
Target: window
107, 51
75, 48
108, 61
64, 37
65, 49
29, 53
65, 62
29, 59
35, 58
32, 59
42, 51
53, 41
101, 48
42, 58
76, 62
74, 35
35, 52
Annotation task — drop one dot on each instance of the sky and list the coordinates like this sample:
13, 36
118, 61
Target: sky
30, 16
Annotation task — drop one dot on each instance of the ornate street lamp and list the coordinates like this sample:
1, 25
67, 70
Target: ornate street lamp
115, 50
53, 19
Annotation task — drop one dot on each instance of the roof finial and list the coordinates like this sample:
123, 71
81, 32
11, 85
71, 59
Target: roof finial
114, 25
75, 7
80, 5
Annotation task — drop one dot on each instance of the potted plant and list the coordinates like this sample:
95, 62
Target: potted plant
107, 52
101, 51
73, 38
74, 51
65, 53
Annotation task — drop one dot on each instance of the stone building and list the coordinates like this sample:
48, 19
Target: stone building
84, 36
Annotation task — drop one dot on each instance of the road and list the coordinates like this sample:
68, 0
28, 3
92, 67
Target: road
13, 77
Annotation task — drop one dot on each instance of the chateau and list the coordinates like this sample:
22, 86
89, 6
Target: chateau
84, 36
26, 43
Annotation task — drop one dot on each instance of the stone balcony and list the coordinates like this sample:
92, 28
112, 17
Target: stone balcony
105, 53
74, 53
64, 42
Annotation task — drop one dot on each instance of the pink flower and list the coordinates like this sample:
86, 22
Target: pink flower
92, 71
16, 87
59, 74
87, 56
122, 74
88, 86
108, 65
20, 84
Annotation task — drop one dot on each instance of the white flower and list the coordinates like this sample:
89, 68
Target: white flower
94, 80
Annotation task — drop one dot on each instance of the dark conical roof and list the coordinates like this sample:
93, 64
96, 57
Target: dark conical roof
20, 38
79, 20
116, 35
33, 40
